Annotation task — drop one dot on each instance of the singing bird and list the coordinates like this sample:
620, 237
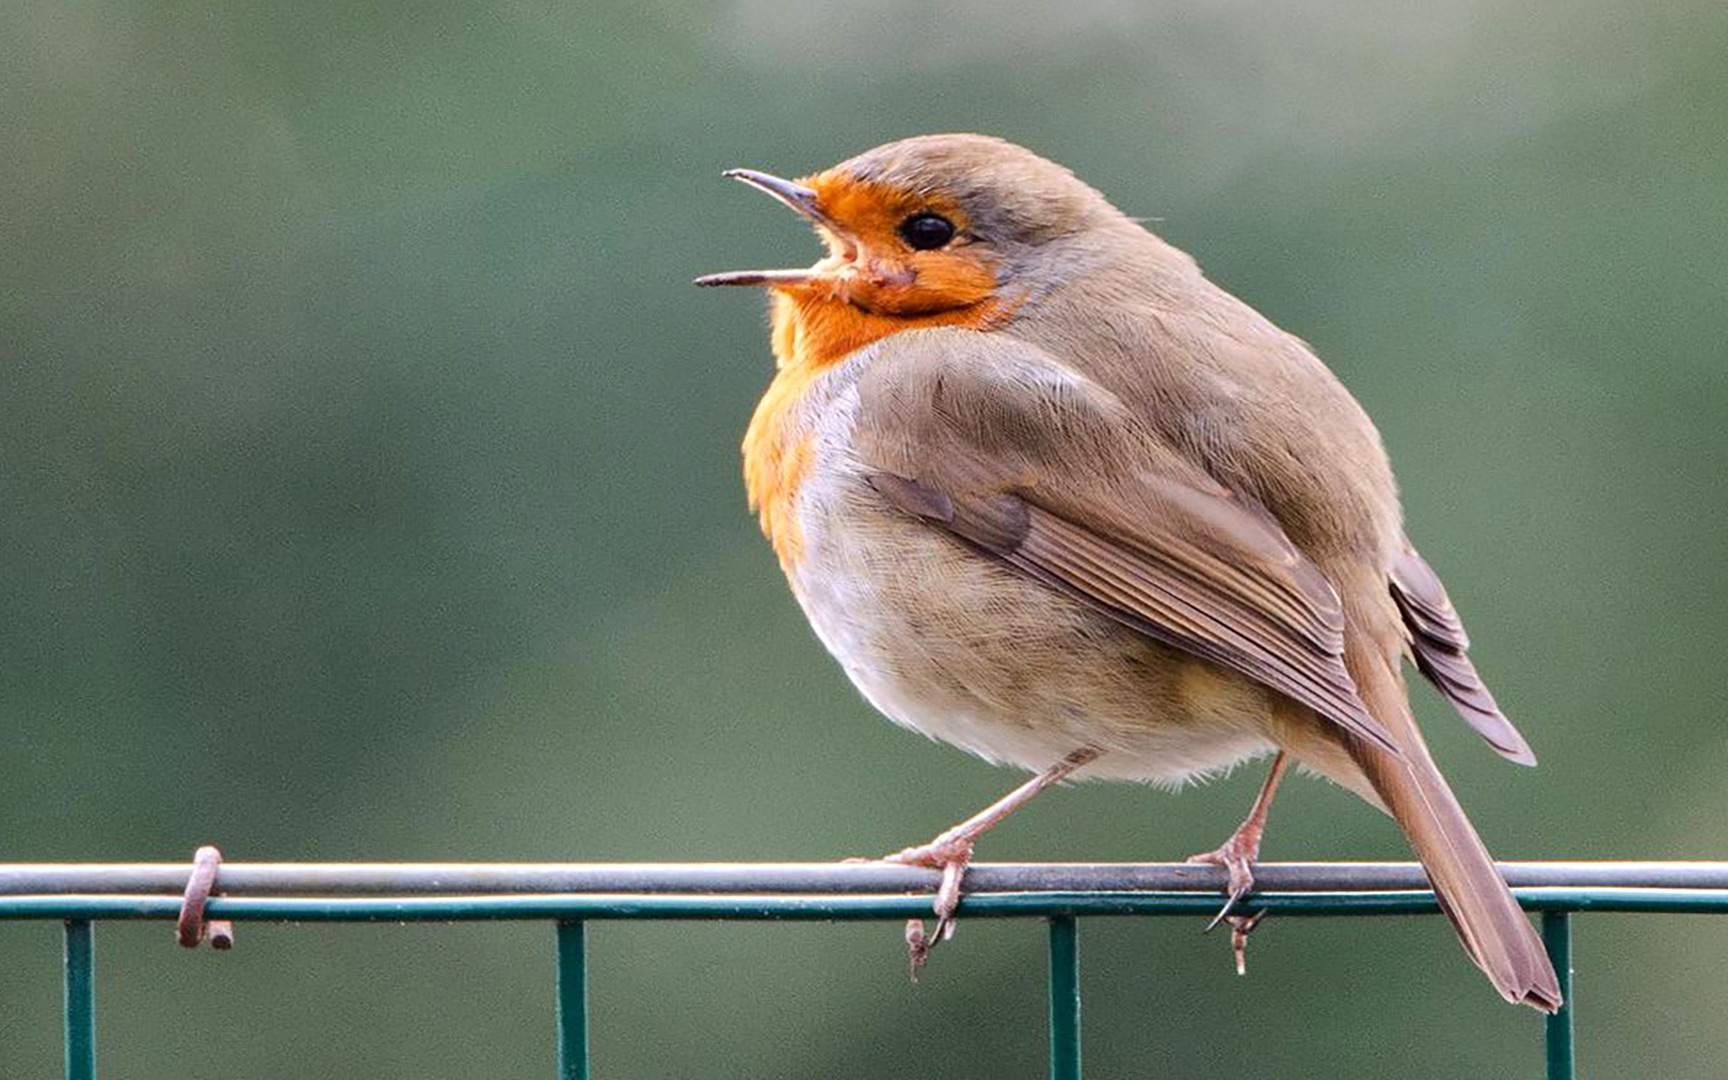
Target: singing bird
1050, 495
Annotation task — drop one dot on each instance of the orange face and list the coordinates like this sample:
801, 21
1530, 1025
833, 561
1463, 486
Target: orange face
895, 252
897, 261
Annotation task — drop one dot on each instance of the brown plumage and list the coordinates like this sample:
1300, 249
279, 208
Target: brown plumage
1049, 494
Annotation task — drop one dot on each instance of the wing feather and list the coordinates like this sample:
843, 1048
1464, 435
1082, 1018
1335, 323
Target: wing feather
1022, 458
1441, 651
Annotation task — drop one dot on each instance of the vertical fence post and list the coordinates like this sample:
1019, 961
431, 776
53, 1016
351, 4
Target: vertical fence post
572, 993
1557, 937
1064, 998
80, 999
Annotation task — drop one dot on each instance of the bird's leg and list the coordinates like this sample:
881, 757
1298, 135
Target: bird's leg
951, 852
1236, 855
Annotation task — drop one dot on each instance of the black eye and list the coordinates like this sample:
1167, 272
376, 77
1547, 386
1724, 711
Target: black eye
926, 232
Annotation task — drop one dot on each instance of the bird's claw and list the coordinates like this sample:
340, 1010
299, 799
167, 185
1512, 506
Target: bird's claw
1236, 855
1237, 859
951, 855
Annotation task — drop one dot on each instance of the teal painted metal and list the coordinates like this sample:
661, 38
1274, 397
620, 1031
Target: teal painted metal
422, 893
828, 907
806, 879
572, 1000
1064, 998
80, 991
1557, 936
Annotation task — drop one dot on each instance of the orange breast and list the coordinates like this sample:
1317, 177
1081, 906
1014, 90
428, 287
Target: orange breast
812, 333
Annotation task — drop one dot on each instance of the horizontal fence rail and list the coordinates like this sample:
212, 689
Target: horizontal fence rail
301, 879
571, 895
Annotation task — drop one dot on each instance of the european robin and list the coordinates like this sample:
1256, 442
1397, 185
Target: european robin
1050, 495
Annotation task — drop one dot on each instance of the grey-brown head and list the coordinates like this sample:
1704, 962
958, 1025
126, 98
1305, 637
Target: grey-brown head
933, 223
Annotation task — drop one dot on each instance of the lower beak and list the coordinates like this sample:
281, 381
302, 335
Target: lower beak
756, 277
801, 200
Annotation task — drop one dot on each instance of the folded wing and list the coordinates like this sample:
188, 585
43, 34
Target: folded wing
1003, 447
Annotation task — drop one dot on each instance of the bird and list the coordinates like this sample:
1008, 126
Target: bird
1049, 494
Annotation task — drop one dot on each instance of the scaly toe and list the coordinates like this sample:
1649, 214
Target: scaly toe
1240, 927
937, 854
918, 947
951, 856
1239, 865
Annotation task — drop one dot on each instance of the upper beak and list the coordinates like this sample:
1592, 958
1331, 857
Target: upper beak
801, 200
797, 196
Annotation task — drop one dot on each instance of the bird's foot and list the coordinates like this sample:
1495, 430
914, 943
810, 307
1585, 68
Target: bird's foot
950, 853
1236, 855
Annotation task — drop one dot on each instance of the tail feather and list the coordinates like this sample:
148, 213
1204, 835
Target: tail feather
1494, 930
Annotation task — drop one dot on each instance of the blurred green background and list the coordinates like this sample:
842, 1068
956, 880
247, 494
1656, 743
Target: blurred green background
370, 491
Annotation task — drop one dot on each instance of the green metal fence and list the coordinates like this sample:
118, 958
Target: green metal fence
570, 896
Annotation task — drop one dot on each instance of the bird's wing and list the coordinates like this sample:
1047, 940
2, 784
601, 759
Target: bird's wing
1441, 651
997, 443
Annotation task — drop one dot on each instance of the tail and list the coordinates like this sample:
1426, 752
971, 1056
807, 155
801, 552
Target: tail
1495, 932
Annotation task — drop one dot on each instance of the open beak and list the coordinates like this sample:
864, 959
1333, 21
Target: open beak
802, 201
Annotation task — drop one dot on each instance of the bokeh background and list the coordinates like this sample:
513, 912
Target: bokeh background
370, 491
